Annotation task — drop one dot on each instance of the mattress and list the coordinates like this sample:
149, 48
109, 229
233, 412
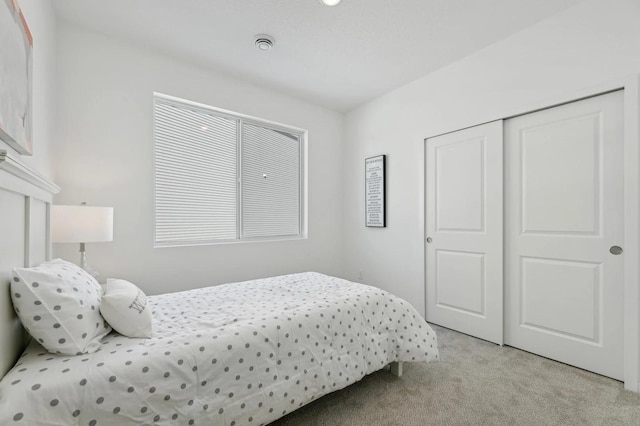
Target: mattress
235, 354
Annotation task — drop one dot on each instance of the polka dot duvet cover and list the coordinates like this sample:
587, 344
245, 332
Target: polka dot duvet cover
234, 354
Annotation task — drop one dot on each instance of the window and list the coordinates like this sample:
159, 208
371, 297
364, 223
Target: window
223, 177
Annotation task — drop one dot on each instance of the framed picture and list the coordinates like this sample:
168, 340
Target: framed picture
374, 187
16, 57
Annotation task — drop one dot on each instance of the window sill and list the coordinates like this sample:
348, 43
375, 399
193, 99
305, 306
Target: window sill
235, 241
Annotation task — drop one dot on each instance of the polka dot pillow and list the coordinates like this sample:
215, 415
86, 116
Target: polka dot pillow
59, 305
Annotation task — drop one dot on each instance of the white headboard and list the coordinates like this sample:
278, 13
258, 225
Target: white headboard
25, 200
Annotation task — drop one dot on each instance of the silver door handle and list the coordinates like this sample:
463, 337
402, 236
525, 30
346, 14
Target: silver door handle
615, 250
429, 240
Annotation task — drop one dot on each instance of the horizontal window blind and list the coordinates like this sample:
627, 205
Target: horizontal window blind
195, 176
270, 182
220, 176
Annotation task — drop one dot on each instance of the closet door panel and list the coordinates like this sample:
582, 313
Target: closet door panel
564, 210
464, 231
565, 152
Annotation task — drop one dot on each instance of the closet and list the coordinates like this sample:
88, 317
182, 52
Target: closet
525, 232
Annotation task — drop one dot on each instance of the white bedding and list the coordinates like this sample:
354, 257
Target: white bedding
235, 354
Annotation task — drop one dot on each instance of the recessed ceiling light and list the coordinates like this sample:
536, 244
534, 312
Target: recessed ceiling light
330, 2
264, 42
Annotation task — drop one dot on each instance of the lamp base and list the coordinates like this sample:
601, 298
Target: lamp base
85, 265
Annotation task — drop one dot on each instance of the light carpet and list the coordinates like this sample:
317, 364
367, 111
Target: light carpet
476, 383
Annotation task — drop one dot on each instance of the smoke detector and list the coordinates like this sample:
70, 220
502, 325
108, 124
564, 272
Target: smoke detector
264, 42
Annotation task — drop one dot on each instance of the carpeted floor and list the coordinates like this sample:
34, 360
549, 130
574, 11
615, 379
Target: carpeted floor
476, 383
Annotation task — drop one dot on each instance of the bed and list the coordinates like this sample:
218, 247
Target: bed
234, 354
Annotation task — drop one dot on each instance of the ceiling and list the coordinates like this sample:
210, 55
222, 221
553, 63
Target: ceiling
338, 57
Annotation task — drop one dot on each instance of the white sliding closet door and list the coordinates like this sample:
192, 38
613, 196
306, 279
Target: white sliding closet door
564, 216
464, 192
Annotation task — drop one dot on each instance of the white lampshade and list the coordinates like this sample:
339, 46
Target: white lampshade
81, 224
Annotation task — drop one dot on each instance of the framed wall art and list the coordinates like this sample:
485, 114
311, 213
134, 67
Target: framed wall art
374, 186
16, 78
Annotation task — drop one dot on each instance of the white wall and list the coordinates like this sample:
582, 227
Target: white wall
104, 157
42, 24
587, 45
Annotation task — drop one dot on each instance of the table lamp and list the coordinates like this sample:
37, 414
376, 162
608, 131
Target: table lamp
82, 224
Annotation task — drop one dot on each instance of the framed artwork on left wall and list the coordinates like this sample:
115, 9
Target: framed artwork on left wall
16, 78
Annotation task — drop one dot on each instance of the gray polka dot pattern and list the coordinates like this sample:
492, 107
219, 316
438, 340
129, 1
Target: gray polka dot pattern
235, 354
58, 304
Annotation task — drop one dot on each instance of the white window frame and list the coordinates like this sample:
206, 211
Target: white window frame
240, 119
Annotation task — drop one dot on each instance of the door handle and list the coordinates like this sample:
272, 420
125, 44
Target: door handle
429, 240
615, 250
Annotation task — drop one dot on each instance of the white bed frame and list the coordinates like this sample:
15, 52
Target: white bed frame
25, 200
25, 240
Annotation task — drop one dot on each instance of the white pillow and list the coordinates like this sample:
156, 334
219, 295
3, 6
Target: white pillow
125, 308
58, 304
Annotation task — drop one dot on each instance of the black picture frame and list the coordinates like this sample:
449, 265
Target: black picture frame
375, 180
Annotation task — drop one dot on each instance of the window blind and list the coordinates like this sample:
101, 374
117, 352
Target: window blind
195, 175
222, 176
270, 182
